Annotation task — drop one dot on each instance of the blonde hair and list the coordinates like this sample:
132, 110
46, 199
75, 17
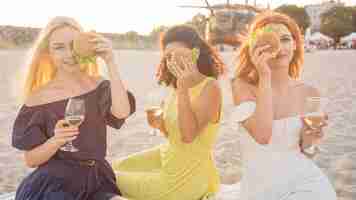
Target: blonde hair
40, 68
246, 70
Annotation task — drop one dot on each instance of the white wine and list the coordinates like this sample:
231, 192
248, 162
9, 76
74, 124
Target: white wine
314, 118
154, 116
154, 111
74, 116
75, 120
314, 121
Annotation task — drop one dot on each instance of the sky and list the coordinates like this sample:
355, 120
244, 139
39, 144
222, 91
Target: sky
116, 16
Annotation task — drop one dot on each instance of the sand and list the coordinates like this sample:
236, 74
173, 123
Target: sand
334, 72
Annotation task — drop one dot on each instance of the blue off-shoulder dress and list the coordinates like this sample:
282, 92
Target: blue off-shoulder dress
69, 175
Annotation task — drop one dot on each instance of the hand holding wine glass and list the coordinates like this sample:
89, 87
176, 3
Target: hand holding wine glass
74, 116
154, 110
314, 119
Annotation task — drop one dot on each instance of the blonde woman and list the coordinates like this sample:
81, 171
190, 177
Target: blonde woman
269, 100
54, 77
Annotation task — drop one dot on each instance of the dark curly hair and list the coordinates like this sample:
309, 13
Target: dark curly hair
209, 62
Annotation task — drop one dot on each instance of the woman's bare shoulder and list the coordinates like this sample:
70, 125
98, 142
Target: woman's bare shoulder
53, 92
97, 79
43, 95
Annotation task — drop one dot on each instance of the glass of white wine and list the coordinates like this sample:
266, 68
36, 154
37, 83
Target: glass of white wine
314, 118
154, 110
74, 116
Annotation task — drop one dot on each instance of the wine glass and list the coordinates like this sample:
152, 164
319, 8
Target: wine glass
314, 117
74, 116
153, 108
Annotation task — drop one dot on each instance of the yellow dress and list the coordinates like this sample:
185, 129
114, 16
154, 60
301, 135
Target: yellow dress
175, 170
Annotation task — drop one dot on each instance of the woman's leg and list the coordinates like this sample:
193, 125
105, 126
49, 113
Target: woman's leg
106, 196
318, 190
138, 176
145, 161
118, 198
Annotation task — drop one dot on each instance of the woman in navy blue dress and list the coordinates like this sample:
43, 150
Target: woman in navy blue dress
54, 76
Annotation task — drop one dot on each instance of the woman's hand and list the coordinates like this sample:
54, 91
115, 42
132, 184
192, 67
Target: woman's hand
183, 68
310, 136
63, 133
154, 117
103, 48
260, 57
39, 155
156, 121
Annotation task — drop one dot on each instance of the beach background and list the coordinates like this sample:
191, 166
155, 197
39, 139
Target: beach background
333, 72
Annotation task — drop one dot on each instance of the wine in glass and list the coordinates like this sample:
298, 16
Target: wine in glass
314, 117
154, 110
74, 116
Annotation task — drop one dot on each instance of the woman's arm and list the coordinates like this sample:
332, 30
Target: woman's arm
120, 101
42, 153
193, 117
259, 125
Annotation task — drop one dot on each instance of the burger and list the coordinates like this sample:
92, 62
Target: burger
84, 49
263, 38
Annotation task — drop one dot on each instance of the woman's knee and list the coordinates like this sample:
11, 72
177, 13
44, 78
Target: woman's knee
118, 198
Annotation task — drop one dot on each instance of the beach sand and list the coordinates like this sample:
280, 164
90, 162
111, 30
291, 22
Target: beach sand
333, 72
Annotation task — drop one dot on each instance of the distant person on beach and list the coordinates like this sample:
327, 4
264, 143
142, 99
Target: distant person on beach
271, 107
61, 127
183, 168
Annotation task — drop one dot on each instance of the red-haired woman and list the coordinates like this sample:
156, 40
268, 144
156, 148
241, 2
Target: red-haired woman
269, 101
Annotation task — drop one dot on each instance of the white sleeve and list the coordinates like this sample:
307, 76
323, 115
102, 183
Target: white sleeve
243, 111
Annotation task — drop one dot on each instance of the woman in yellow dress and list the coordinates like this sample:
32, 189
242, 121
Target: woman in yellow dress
183, 168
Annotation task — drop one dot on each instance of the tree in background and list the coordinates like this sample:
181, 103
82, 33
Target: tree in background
155, 34
199, 21
337, 22
299, 14
132, 37
354, 18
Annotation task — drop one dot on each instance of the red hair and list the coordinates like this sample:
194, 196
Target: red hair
245, 68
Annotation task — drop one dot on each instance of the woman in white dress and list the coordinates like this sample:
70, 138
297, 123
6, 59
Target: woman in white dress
269, 101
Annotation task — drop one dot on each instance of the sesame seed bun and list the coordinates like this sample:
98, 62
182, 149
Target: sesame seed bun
269, 38
82, 45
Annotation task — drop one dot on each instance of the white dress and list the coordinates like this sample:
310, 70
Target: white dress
278, 170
